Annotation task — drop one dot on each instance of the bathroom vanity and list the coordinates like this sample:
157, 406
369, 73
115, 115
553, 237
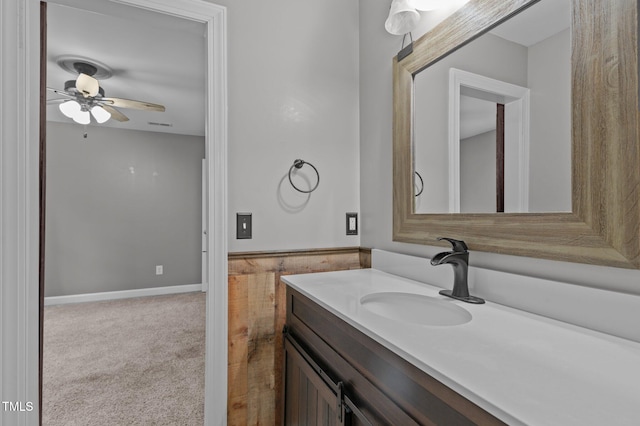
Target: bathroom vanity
336, 372
359, 352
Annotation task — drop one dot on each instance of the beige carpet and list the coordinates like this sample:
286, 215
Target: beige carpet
125, 362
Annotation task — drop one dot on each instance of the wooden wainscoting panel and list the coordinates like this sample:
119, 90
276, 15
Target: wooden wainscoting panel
238, 350
251, 393
237, 396
295, 262
257, 315
365, 258
238, 326
261, 349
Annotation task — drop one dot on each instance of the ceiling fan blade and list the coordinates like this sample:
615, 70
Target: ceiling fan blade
61, 93
128, 103
56, 101
87, 85
115, 114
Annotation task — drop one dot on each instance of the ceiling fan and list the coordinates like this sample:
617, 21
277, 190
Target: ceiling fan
83, 98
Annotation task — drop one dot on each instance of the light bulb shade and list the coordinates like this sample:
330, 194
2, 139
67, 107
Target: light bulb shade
100, 114
87, 85
403, 17
82, 117
428, 4
69, 108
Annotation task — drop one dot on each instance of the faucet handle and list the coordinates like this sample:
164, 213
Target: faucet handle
459, 246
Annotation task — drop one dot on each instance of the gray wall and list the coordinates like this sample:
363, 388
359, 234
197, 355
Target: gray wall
377, 47
549, 78
293, 93
119, 203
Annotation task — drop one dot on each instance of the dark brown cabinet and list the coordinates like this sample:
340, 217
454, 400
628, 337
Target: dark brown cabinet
310, 400
312, 397
331, 366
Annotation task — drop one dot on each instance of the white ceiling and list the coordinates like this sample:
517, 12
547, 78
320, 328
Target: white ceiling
477, 116
154, 58
538, 22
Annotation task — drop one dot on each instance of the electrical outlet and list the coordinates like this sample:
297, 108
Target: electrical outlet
352, 223
159, 270
243, 226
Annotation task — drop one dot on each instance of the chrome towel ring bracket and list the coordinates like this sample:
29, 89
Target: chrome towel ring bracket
297, 164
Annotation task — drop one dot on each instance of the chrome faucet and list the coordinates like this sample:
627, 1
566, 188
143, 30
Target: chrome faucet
459, 259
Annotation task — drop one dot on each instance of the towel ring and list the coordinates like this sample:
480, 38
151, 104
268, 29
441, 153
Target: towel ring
421, 184
297, 164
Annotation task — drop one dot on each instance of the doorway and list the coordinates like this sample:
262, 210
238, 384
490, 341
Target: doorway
214, 17
481, 155
514, 152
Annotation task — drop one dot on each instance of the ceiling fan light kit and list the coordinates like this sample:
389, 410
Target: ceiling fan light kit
70, 108
100, 114
80, 115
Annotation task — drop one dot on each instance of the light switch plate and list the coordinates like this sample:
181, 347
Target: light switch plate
243, 226
352, 223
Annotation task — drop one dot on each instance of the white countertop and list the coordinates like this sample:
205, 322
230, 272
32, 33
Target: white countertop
522, 368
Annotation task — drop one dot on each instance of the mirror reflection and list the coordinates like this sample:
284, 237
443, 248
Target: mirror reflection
492, 120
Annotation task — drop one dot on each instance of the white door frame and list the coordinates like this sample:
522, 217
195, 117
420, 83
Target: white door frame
516, 100
19, 205
204, 274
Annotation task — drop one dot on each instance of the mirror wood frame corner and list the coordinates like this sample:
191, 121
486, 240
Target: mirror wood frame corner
604, 225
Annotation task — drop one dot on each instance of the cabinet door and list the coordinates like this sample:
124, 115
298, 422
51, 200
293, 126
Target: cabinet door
308, 399
353, 416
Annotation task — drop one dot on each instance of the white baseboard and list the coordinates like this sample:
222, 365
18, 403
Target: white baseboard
124, 294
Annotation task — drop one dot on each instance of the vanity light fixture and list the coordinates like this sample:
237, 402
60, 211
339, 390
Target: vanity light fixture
425, 5
405, 50
404, 15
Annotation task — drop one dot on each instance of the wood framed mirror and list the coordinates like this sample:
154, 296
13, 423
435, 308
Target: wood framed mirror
603, 226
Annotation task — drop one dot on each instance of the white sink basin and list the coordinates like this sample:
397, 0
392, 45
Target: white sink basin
415, 309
